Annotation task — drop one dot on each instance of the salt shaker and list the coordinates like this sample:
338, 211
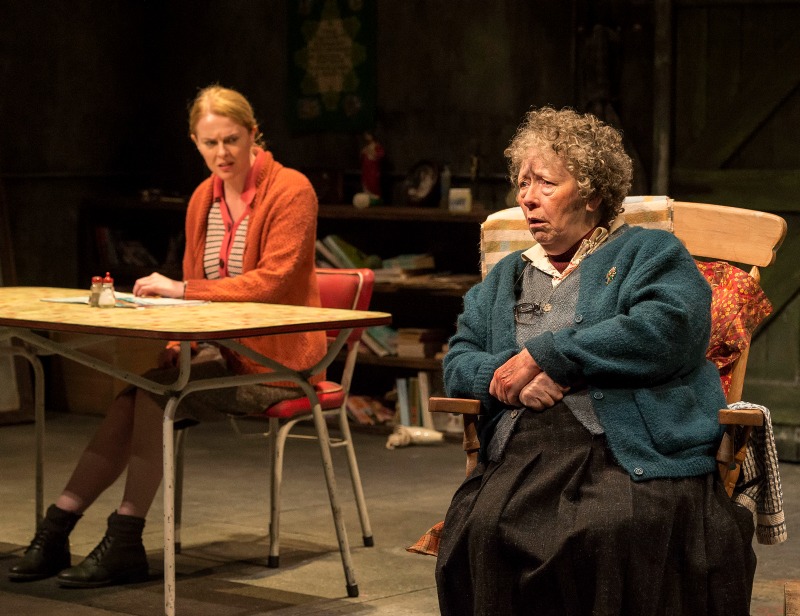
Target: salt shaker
107, 298
94, 296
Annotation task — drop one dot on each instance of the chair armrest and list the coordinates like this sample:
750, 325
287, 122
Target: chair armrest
741, 417
470, 409
791, 597
732, 450
462, 406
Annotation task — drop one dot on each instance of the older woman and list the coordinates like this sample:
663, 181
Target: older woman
595, 492
250, 233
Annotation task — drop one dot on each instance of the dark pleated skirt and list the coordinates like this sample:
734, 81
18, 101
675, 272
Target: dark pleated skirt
558, 527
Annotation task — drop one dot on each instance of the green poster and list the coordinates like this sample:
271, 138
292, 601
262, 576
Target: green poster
332, 65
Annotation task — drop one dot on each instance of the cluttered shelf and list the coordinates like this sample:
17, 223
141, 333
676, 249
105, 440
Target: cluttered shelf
368, 358
402, 213
130, 237
430, 284
422, 265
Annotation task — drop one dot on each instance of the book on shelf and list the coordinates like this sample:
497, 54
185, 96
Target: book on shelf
326, 256
382, 337
380, 412
373, 345
392, 274
345, 253
402, 412
359, 410
413, 394
342, 254
366, 410
410, 262
413, 401
424, 383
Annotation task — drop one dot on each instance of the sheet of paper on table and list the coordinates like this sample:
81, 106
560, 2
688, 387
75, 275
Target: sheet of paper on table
130, 300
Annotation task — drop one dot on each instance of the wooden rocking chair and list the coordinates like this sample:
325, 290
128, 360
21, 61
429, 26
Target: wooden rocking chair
716, 236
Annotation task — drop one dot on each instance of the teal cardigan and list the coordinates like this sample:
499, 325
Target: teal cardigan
638, 340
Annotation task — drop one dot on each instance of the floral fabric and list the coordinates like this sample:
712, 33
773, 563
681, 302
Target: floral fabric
738, 305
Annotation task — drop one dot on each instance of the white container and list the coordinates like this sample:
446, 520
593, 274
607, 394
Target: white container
460, 200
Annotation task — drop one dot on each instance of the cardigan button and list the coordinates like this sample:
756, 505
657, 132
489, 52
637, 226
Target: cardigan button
638, 471
578, 318
598, 395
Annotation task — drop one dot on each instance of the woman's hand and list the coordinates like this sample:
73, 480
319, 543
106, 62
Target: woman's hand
158, 284
542, 393
510, 378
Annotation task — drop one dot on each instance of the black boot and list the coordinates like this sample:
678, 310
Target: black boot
48, 553
118, 559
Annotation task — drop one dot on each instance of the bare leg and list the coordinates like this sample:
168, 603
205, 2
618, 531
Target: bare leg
145, 464
129, 435
104, 458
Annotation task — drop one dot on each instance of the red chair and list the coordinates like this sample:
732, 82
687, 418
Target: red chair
339, 288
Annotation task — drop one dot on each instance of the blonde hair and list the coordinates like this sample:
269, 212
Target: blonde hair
223, 102
591, 150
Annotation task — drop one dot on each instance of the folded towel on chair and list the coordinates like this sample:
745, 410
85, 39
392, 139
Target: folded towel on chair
759, 485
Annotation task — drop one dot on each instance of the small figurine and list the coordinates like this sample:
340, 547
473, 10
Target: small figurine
371, 155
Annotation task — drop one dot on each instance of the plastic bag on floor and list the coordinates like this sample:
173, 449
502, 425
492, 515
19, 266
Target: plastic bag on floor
408, 435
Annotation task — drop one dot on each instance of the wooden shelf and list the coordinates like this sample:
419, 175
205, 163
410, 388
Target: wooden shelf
436, 285
393, 361
389, 212
431, 300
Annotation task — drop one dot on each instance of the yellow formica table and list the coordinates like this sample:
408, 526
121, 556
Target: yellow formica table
24, 316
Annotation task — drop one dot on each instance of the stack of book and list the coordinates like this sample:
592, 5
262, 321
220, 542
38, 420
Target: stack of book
420, 342
381, 340
410, 262
334, 252
368, 411
412, 401
403, 267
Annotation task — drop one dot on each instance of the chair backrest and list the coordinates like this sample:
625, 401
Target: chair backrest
348, 289
708, 231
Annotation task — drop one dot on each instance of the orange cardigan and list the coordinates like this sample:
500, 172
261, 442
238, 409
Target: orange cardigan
277, 265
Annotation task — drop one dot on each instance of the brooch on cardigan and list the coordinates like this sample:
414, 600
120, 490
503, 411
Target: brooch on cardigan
611, 274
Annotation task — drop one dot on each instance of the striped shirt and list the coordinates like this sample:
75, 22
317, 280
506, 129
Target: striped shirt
224, 243
225, 237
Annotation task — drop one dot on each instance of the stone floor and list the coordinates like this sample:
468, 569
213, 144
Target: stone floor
220, 571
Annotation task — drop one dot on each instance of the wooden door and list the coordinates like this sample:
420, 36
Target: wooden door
735, 133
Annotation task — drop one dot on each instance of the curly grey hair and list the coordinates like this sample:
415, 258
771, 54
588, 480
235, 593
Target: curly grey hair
590, 149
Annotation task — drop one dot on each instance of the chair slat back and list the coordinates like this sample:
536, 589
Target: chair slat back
728, 233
